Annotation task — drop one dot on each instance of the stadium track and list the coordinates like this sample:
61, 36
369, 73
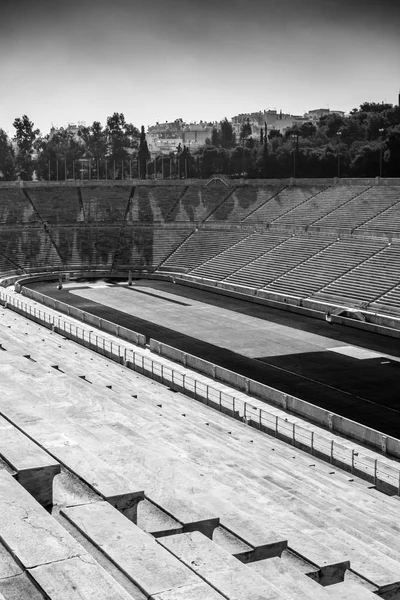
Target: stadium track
365, 391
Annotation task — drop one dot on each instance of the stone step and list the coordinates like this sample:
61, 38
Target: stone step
153, 569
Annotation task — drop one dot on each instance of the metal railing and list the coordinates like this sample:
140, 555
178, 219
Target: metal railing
380, 474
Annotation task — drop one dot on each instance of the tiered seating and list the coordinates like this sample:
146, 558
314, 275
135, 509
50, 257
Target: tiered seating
201, 246
221, 569
368, 281
147, 247
153, 203
388, 220
56, 204
320, 205
104, 242
160, 574
361, 209
75, 245
15, 208
30, 248
34, 469
237, 257
279, 260
105, 204
198, 202
279, 204
7, 265
324, 267
389, 301
242, 201
304, 520
57, 564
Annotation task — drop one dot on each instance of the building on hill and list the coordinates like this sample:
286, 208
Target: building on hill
164, 138
272, 118
317, 113
196, 134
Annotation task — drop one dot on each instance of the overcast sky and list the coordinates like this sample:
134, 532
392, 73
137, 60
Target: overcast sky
155, 60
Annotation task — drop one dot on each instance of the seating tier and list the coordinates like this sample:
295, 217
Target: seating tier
388, 220
324, 267
147, 247
29, 248
87, 246
390, 300
237, 257
279, 260
282, 202
153, 204
371, 279
361, 209
192, 453
152, 568
105, 204
201, 246
7, 265
56, 204
320, 205
242, 201
197, 203
16, 208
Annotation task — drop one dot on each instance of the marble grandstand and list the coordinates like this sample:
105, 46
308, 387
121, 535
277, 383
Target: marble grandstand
337, 244
113, 486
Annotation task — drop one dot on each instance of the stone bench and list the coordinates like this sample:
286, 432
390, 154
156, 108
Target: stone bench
44, 548
80, 577
34, 468
289, 579
14, 583
350, 590
269, 536
366, 561
104, 480
220, 569
151, 567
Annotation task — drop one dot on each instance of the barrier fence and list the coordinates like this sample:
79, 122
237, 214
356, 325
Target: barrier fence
382, 475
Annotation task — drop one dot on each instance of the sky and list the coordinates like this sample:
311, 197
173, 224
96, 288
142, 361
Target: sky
70, 61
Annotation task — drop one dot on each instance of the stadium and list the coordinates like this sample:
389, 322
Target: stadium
199, 394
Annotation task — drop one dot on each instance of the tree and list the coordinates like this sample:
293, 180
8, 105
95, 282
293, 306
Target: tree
122, 139
25, 136
215, 137
240, 161
365, 160
211, 161
186, 162
261, 137
392, 153
274, 133
227, 135
245, 131
307, 130
7, 169
143, 154
57, 153
372, 107
94, 139
330, 124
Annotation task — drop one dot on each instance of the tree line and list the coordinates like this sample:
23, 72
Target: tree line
366, 143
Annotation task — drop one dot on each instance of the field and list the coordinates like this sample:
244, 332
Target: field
350, 372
